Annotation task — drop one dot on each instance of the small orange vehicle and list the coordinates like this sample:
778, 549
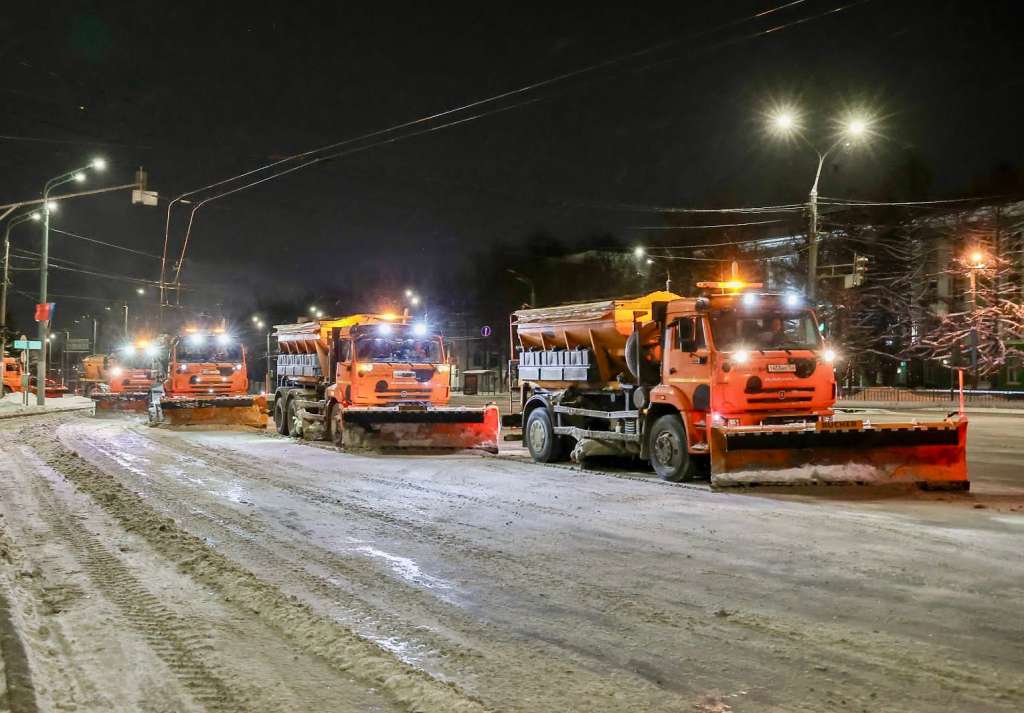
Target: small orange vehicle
12, 375
373, 381
208, 383
738, 384
12, 380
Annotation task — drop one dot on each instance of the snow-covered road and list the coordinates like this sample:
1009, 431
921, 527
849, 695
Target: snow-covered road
514, 586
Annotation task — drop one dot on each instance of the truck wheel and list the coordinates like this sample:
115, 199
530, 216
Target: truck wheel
294, 420
281, 414
667, 448
539, 434
335, 429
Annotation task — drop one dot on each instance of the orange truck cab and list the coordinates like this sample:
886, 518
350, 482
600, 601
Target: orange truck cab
206, 363
12, 375
207, 383
737, 385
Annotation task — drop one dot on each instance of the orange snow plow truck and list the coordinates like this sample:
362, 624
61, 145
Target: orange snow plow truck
373, 381
122, 381
207, 383
738, 386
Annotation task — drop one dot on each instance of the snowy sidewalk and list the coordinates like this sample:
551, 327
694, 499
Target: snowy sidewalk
11, 405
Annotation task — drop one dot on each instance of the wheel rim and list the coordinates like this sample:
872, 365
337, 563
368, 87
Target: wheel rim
538, 435
666, 448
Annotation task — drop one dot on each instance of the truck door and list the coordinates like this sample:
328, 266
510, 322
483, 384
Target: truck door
343, 367
686, 363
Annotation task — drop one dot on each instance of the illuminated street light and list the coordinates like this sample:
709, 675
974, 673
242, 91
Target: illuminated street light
853, 127
78, 175
319, 314
260, 325
639, 252
414, 300
140, 291
409, 293
255, 318
100, 164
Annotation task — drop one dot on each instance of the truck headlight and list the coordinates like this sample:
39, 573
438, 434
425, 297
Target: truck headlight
828, 356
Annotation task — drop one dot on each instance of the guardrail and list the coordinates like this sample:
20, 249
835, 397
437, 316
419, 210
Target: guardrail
976, 397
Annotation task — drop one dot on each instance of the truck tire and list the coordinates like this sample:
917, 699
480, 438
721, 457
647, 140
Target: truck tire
335, 428
294, 420
667, 450
539, 434
281, 414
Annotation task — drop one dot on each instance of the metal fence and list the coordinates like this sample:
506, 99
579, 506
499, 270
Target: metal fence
976, 397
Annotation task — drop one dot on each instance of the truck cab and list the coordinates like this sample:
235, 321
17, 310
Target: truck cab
747, 359
389, 363
12, 375
206, 363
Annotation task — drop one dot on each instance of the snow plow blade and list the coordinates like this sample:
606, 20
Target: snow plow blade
430, 428
249, 410
929, 455
121, 402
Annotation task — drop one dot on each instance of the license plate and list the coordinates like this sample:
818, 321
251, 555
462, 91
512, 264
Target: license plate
840, 425
777, 368
405, 374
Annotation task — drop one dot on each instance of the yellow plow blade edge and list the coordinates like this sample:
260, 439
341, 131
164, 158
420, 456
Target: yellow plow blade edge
930, 455
249, 411
438, 428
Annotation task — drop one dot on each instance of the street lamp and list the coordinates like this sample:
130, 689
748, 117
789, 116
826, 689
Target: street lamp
526, 281
76, 175
34, 215
785, 122
975, 261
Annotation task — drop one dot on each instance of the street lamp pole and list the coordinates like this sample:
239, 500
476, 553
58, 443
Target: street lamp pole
786, 122
44, 263
34, 215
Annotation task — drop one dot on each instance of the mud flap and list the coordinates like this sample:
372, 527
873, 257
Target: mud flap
428, 429
249, 411
930, 455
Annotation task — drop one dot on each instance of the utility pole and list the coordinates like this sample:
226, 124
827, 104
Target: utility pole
126, 337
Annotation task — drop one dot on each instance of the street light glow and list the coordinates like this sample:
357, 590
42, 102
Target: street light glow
408, 293
255, 319
51, 206
140, 291
261, 325
414, 300
977, 256
638, 251
99, 164
80, 177
784, 121
856, 127
35, 216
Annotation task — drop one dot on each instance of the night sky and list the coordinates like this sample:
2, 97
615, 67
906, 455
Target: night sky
199, 92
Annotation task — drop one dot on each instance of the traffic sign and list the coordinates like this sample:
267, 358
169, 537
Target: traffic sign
485, 331
27, 344
77, 345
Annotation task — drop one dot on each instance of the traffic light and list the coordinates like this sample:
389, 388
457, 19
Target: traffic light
860, 268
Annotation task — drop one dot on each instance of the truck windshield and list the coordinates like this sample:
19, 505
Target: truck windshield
765, 330
398, 348
137, 359
208, 351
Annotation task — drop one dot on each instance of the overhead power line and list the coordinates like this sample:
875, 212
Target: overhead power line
499, 97
105, 244
703, 227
